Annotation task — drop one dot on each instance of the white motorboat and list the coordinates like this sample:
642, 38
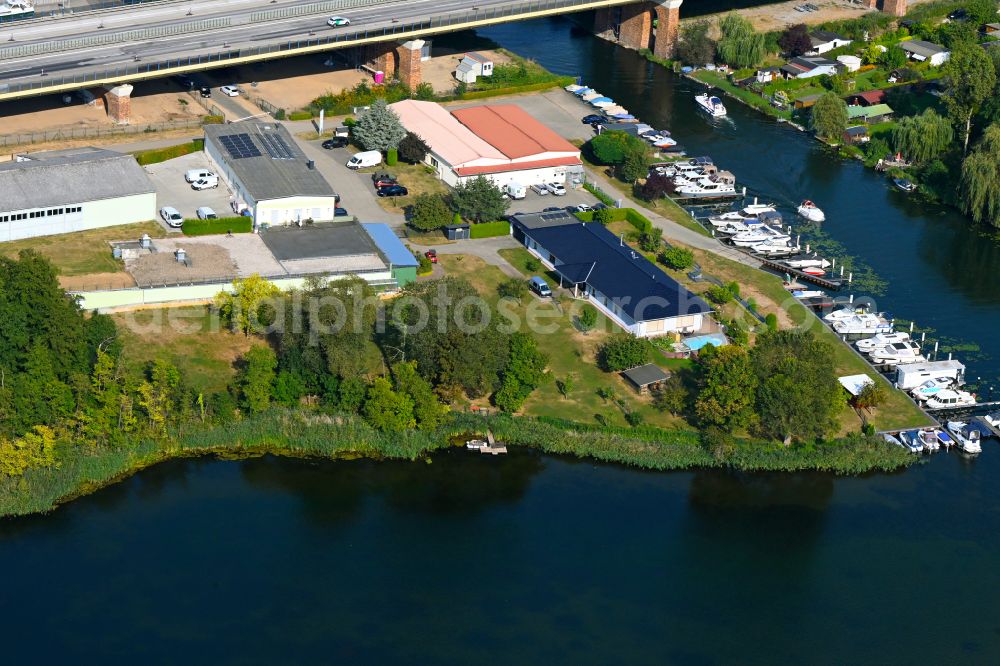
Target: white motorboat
911, 441
863, 324
929, 440
967, 438
774, 250
706, 187
476, 443
950, 399
661, 141
931, 387
16, 8
808, 293
892, 439
993, 419
811, 211
761, 234
573, 87
844, 313
593, 94
711, 105
755, 209
733, 228
898, 353
869, 344
806, 262
944, 439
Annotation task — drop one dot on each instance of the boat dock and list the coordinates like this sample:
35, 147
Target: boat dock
489, 446
832, 283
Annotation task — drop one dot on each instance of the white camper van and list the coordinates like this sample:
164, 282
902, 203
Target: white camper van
515, 190
364, 159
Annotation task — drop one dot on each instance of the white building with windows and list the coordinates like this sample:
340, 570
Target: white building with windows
62, 191
269, 174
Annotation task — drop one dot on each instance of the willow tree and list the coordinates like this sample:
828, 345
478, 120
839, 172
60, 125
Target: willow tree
922, 138
971, 76
980, 185
741, 46
829, 116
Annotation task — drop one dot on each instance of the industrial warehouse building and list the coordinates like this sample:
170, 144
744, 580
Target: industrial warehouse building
622, 283
60, 191
503, 143
269, 174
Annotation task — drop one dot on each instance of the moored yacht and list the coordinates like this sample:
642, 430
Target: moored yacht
707, 187
761, 234
897, 353
879, 341
862, 324
950, 399
967, 438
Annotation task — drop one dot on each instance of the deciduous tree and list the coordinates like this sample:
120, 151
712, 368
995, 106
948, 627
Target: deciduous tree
479, 199
243, 309
429, 212
413, 149
922, 138
524, 373
741, 46
795, 40
971, 78
428, 411
623, 351
980, 184
728, 389
694, 46
256, 378
386, 409
829, 116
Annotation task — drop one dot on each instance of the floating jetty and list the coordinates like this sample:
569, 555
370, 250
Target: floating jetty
832, 283
489, 445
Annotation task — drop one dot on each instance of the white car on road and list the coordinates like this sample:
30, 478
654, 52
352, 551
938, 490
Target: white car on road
556, 188
230, 91
338, 21
205, 183
172, 217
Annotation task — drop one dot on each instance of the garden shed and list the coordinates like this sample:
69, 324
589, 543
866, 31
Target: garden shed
457, 231
645, 377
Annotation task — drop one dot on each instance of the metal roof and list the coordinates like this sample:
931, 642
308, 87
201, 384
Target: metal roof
922, 48
388, 242
267, 160
644, 375
872, 111
72, 176
641, 290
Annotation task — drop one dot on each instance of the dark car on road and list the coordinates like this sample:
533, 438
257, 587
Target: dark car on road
392, 191
335, 142
551, 209
206, 91
591, 119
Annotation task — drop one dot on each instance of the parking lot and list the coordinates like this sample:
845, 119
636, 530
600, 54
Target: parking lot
173, 190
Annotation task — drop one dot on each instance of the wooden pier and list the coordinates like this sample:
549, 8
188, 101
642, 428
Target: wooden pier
827, 283
489, 446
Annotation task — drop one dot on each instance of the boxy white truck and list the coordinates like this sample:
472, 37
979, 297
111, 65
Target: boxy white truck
515, 190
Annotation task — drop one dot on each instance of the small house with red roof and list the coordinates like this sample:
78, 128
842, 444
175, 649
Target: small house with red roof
867, 98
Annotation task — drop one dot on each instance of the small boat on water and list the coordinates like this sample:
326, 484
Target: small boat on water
808, 293
911, 441
814, 270
775, 250
863, 324
968, 439
845, 312
591, 94
929, 440
761, 234
931, 387
711, 105
897, 353
879, 341
811, 211
904, 184
806, 262
892, 439
476, 443
944, 439
950, 399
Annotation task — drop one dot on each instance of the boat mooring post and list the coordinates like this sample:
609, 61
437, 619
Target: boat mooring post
850, 299
935, 349
807, 248
911, 327
850, 278
833, 266
923, 336
842, 270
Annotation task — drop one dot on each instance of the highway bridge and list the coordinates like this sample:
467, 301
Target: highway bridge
126, 44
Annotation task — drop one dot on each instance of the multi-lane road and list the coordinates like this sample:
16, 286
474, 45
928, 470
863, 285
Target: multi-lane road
49, 54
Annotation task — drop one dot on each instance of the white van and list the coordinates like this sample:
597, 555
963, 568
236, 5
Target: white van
515, 190
197, 174
364, 159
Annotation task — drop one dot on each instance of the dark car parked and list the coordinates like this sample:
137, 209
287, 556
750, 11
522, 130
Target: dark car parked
340, 212
335, 142
392, 191
591, 119
385, 182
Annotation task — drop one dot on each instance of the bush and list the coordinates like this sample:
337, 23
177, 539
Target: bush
489, 229
279, 114
212, 120
772, 321
719, 295
677, 258
532, 265
515, 288
622, 352
238, 225
496, 92
392, 157
428, 212
604, 215
588, 318
300, 115
157, 155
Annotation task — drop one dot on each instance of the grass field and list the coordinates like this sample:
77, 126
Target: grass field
84, 252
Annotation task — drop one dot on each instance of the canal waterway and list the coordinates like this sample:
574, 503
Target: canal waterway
918, 261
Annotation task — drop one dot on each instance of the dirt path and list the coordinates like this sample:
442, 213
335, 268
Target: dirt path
780, 15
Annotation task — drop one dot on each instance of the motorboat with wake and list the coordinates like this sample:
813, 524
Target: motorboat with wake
711, 105
811, 211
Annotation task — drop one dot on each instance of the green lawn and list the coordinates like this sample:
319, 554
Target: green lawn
570, 351
84, 252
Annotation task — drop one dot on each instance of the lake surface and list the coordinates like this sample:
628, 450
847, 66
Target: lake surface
528, 559
521, 559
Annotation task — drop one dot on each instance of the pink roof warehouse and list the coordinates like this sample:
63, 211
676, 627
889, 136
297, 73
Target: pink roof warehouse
500, 142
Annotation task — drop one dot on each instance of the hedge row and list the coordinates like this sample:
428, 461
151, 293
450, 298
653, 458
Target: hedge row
238, 225
489, 229
300, 115
531, 87
157, 155
600, 194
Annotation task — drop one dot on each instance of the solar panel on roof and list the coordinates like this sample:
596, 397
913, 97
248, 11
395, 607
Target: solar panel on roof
239, 146
276, 147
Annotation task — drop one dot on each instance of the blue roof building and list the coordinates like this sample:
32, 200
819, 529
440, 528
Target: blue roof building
401, 261
622, 283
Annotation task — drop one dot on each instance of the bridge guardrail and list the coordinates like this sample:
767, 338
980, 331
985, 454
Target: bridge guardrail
140, 34
125, 71
311, 8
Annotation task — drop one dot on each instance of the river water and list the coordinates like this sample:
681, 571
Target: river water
533, 559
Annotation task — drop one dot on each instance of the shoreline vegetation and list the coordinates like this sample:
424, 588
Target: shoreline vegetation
298, 433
